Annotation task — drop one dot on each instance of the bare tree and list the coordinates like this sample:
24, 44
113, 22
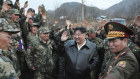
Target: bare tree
83, 9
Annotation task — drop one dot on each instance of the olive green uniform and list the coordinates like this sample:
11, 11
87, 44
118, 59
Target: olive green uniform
121, 66
41, 58
6, 68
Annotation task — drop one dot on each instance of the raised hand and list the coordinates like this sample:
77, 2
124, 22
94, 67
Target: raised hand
102, 24
5, 7
28, 16
68, 22
55, 22
26, 4
44, 16
64, 36
40, 9
18, 4
137, 21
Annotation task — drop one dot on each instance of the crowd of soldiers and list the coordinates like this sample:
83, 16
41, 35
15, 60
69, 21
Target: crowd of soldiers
34, 51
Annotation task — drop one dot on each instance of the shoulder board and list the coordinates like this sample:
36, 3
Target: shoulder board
121, 64
5, 59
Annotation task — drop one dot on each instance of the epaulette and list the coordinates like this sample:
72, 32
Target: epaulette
5, 58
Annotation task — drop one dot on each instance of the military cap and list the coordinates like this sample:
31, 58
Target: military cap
57, 28
114, 29
7, 28
91, 30
8, 2
14, 11
34, 24
44, 30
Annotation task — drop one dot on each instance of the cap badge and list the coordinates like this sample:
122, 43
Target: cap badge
110, 26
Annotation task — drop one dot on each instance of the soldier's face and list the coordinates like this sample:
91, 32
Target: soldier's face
14, 17
34, 29
6, 7
9, 7
30, 21
79, 37
117, 45
5, 41
92, 35
44, 36
32, 13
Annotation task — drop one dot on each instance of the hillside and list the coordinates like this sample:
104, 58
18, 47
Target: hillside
125, 9
72, 11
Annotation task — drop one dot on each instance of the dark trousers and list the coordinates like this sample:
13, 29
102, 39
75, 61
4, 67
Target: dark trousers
67, 76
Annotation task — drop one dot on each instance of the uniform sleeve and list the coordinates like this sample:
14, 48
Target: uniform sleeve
122, 70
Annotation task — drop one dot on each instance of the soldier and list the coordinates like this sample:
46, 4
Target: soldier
136, 27
6, 65
42, 16
14, 18
30, 35
92, 37
136, 47
32, 12
39, 56
18, 44
7, 5
100, 30
100, 49
122, 64
16, 5
57, 56
33, 34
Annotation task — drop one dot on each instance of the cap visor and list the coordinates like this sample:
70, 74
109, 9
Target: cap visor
109, 38
13, 32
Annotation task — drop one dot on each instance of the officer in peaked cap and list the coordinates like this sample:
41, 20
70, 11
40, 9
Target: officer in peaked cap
115, 29
6, 31
122, 63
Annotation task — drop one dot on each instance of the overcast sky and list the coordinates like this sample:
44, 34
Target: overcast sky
53, 4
